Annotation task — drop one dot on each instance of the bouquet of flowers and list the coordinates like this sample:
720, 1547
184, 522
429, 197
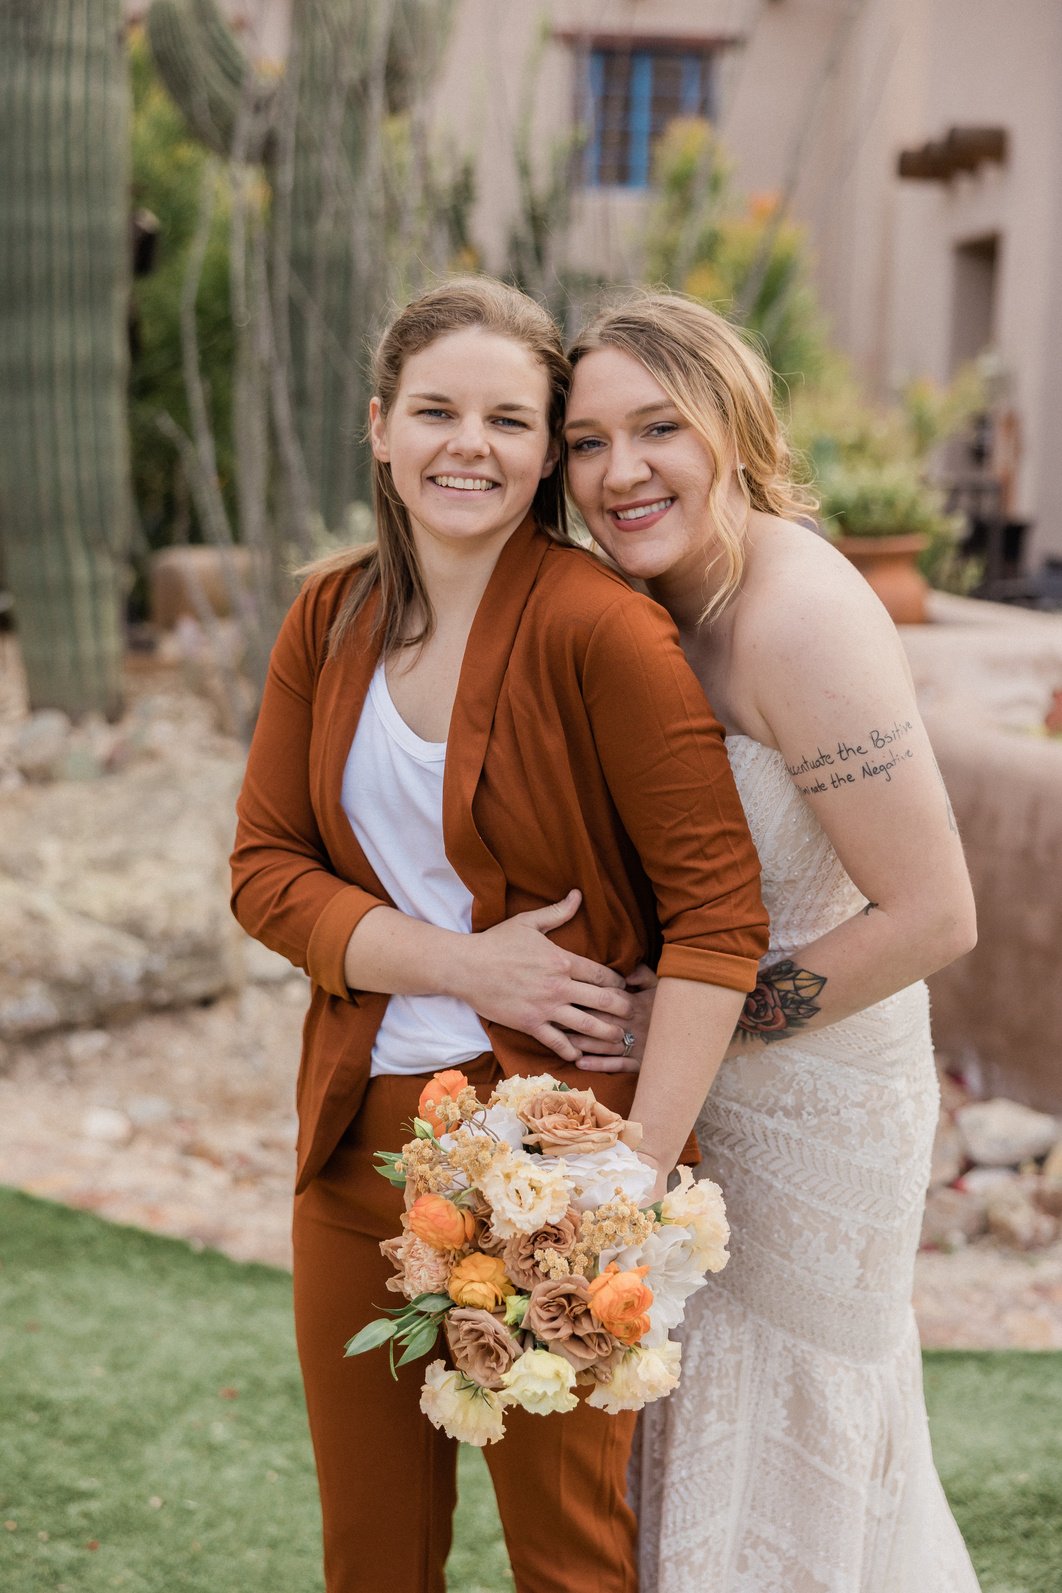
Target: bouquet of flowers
524, 1239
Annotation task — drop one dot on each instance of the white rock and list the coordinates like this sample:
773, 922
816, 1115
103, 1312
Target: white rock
947, 1155
147, 1110
108, 1125
952, 1216
84, 1045
1014, 1219
41, 744
983, 1181
1003, 1133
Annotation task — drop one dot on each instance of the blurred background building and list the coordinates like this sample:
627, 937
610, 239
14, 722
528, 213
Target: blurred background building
917, 141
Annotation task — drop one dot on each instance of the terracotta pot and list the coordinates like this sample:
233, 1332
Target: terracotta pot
890, 565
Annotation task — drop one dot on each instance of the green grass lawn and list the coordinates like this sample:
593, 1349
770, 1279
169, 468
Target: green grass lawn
152, 1436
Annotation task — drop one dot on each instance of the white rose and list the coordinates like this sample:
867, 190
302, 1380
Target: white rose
464, 1411
598, 1174
675, 1272
540, 1382
520, 1088
639, 1377
698, 1205
525, 1193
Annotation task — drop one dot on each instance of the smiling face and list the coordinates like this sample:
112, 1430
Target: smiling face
467, 438
638, 471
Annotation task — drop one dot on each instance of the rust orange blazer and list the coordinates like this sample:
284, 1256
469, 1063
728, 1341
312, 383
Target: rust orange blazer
581, 752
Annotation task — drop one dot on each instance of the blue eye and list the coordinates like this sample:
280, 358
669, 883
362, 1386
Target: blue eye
510, 420
662, 428
584, 445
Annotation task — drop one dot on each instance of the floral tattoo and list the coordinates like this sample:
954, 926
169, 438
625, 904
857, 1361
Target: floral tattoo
783, 1000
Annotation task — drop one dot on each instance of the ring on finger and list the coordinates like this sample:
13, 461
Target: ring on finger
628, 1042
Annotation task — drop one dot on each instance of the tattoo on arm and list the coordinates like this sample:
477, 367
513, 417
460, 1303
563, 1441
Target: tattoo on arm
873, 756
783, 1000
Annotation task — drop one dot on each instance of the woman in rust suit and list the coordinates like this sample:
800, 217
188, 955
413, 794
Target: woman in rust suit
571, 747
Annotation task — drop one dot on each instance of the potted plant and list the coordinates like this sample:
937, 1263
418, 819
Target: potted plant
892, 525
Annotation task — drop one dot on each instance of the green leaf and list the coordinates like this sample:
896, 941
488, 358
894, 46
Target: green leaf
420, 1341
431, 1303
371, 1336
387, 1170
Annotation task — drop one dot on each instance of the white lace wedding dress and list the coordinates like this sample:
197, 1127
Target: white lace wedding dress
794, 1457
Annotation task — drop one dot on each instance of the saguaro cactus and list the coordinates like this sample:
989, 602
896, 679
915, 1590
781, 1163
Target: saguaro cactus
65, 497
319, 129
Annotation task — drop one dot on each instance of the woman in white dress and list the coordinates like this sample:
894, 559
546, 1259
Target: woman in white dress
795, 1455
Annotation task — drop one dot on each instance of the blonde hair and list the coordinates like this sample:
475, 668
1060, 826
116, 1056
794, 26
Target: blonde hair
722, 386
390, 565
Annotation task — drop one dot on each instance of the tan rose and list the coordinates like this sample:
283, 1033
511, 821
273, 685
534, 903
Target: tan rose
484, 1238
574, 1121
482, 1347
519, 1252
560, 1316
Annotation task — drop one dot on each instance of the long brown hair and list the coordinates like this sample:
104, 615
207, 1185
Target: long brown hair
722, 386
391, 565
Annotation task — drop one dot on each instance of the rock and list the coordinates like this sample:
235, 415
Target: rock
1016, 1221
146, 1111
114, 895
952, 1217
982, 1181
191, 582
106, 1124
1048, 1196
84, 1045
41, 745
265, 967
947, 1155
1003, 1133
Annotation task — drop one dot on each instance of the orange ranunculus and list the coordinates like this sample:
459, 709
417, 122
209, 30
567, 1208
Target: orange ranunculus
480, 1281
438, 1087
439, 1222
621, 1301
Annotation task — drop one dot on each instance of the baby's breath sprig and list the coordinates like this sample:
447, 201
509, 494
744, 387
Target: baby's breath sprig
617, 1224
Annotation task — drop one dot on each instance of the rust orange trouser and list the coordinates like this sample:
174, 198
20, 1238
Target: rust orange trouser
386, 1475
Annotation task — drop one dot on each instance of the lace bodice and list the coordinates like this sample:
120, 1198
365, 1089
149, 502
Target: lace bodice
805, 889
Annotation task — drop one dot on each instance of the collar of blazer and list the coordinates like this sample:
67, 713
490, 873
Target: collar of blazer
343, 684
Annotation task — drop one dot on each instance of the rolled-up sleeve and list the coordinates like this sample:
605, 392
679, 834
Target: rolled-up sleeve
663, 755
285, 891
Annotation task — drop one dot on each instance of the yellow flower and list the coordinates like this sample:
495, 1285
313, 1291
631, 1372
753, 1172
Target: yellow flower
480, 1281
698, 1206
540, 1382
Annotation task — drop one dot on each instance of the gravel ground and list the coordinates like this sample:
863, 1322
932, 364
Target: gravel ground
182, 1122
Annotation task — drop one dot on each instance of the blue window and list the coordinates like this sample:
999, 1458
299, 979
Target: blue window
633, 95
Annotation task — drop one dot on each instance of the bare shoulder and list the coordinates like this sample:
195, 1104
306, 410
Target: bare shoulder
801, 599
807, 628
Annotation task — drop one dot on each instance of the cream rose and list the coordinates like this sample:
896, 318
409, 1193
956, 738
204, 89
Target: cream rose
564, 1121
462, 1410
525, 1193
638, 1378
541, 1383
698, 1203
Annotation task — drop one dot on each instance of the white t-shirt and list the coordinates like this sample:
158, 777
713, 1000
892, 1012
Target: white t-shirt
392, 794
